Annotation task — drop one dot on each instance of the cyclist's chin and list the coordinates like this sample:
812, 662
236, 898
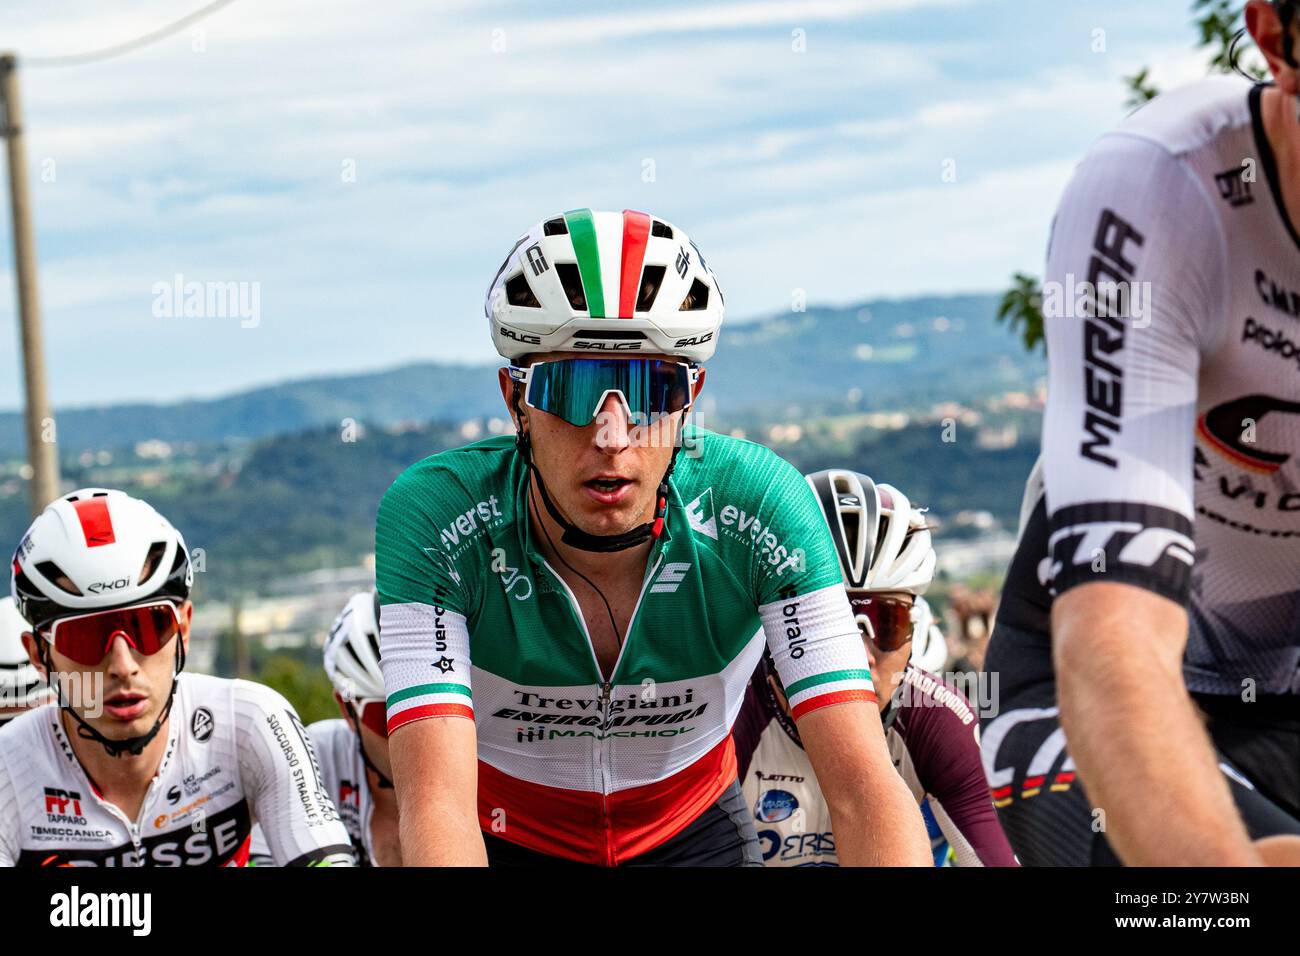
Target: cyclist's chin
600, 518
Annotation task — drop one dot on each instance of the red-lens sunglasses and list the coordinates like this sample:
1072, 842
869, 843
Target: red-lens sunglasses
86, 638
887, 618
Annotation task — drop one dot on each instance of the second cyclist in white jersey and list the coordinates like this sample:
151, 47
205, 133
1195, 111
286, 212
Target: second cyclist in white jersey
141, 764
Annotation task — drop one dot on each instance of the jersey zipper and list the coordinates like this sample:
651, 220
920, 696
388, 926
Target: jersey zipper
601, 747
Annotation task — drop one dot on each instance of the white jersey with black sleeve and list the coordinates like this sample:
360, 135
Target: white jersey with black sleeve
1172, 306
236, 751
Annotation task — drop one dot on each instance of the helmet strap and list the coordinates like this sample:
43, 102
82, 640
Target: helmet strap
130, 745
574, 536
385, 783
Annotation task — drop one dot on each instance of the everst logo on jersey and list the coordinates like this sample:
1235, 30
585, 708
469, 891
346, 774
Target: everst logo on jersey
738, 524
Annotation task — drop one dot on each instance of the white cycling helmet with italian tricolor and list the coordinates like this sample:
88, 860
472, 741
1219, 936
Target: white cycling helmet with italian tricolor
352, 650
606, 283
882, 541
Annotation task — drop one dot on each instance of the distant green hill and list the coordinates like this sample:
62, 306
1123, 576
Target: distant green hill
901, 353
307, 501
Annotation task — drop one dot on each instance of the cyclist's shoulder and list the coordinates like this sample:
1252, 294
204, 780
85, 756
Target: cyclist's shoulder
736, 470
453, 480
1190, 118
935, 700
330, 733
18, 736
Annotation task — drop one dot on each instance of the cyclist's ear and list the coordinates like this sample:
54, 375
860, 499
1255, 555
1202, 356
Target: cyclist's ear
510, 394
1278, 43
32, 645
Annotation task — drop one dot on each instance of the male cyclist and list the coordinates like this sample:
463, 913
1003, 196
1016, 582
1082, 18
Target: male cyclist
1162, 559
141, 764
353, 750
21, 685
606, 584
887, 560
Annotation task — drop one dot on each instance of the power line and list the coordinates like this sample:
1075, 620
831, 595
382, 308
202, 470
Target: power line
120, 49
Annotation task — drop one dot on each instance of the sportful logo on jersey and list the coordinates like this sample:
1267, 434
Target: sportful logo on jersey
670, 578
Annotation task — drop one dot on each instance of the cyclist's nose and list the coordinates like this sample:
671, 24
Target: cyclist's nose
612, 424
119, 659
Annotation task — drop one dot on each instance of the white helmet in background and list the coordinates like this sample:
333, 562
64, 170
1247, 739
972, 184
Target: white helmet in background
606, 282
929, 647
352, 649
97, 549
882, 541
21, 684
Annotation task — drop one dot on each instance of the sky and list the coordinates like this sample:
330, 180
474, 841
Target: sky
361, 169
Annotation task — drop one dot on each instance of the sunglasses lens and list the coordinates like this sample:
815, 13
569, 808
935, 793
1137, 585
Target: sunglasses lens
574, 388
374, 714
890, 619
86, 639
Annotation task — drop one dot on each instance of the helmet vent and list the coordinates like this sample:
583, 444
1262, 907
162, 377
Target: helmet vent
661, 230
519, 293
697, 299
571, 281
374, 643
54, 574
151, 561
555, 227
651, 280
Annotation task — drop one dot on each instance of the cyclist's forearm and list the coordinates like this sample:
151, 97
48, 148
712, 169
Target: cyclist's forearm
874, 818
883, 828
434, 837
436, 780
1145, 761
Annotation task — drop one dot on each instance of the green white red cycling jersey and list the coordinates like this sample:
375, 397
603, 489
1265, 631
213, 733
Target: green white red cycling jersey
476, 624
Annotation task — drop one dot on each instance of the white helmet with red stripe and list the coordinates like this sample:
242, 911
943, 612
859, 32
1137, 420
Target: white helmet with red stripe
96, 549
607, 283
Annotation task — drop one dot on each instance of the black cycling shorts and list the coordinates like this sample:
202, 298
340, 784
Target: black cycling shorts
723, 835
1040, 801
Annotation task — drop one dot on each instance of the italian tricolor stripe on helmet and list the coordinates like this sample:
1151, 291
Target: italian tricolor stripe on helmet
96, 523
636, 232
582, 231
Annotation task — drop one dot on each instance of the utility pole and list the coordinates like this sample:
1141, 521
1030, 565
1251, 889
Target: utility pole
42, 452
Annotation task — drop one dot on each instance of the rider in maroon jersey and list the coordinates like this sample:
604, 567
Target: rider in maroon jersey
932, 729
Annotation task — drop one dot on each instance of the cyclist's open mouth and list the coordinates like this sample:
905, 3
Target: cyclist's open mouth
126, 706
608, 489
